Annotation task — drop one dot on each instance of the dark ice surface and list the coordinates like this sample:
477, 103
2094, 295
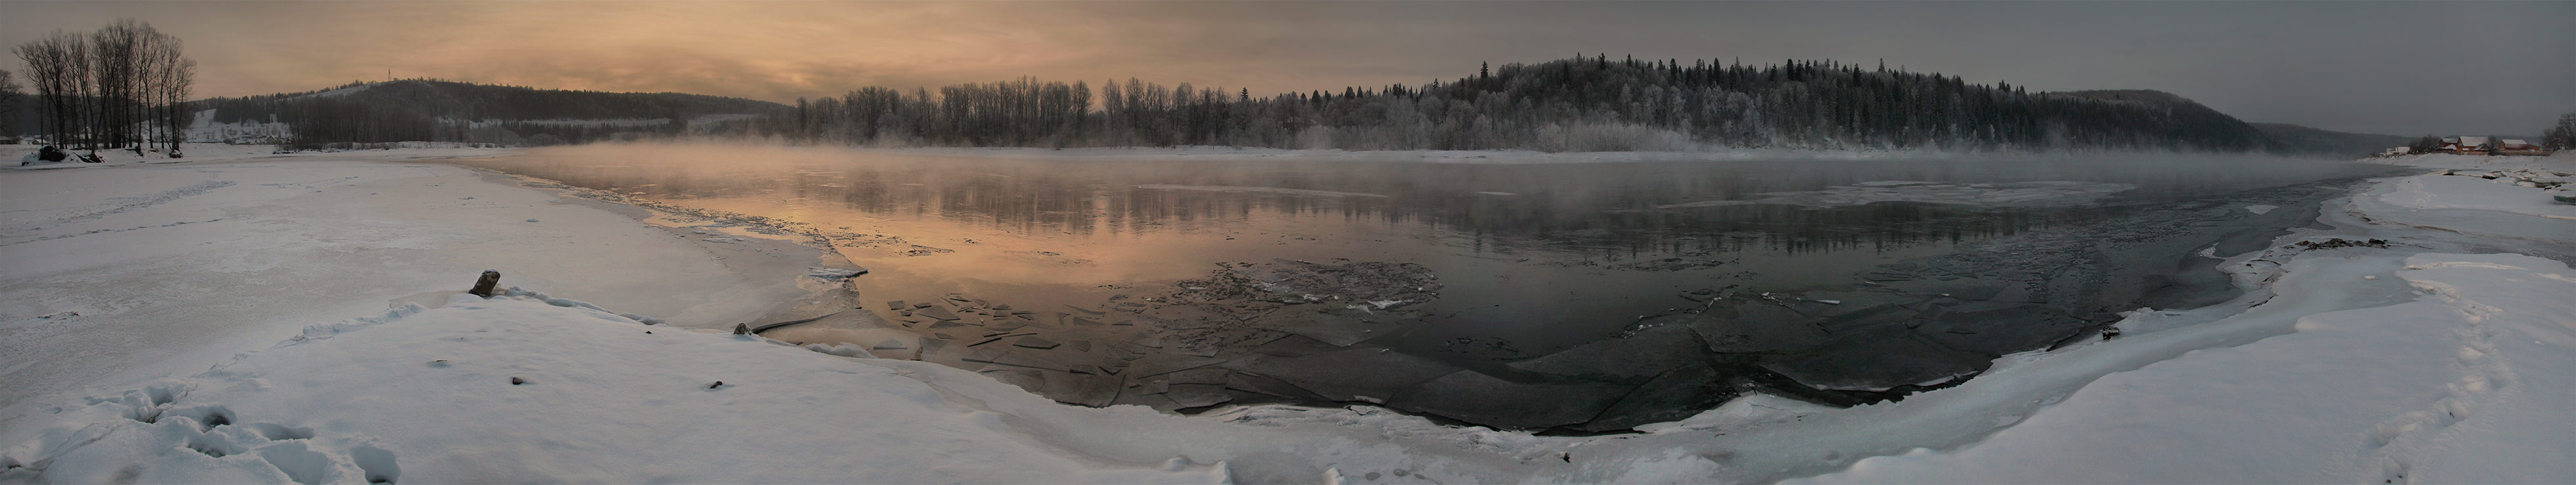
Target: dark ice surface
1586, 297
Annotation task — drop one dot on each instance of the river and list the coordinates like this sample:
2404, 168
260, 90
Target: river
1569, 296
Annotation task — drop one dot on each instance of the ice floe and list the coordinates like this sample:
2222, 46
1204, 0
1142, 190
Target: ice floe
1999, 194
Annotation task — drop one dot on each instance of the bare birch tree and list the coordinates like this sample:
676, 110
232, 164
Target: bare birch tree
111, 87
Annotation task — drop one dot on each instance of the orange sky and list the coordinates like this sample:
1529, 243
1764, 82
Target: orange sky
2336, 65
766, 50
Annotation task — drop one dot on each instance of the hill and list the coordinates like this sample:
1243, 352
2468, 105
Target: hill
2146, 114
1577, 104
2295, 139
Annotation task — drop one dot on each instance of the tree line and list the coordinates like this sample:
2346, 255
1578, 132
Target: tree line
1577, 104
449, 111
125, 85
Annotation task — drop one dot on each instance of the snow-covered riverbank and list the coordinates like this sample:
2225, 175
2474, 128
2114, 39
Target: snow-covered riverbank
2428, 360
116, 272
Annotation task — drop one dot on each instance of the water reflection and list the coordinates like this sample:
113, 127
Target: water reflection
1605, 208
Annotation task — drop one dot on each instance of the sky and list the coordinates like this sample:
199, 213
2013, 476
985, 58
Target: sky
2407, 68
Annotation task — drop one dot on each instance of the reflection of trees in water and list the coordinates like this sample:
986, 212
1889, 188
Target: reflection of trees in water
1592, 208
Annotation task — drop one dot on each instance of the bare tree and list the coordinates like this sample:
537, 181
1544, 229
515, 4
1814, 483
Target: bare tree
116, 53
178, 80
111, 88
2562, 136
58, 66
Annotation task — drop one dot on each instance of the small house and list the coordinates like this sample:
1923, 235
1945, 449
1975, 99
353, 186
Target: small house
2476, 144
2519, 147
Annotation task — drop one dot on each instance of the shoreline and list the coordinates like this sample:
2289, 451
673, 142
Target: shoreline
1502, 156
600, 378
725, 236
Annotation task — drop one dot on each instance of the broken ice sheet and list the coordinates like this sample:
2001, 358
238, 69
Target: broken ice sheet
2005, 194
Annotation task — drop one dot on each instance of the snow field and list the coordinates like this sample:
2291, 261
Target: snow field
119, 272
526, 387
2430, 382
2377, 394
2410, 363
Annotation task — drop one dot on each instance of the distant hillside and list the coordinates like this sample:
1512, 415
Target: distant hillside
2295, 139
429, 110
2151, 114
1590, 103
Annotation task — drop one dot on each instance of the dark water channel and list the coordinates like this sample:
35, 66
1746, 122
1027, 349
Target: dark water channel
1575, 296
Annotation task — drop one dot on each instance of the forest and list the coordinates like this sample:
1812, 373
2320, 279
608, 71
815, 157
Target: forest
436, 110
1577, 104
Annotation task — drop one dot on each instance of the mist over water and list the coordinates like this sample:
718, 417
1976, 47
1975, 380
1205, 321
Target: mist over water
1481, 264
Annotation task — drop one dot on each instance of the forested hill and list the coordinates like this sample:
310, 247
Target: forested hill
430, 110
2144, 115
2287, 138
1584, 103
